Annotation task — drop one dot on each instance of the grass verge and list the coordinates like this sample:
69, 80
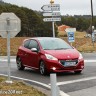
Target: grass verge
17, 88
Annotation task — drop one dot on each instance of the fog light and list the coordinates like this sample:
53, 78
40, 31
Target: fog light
54, 68
82, 67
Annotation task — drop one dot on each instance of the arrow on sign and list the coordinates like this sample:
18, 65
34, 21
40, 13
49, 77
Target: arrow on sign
51, 19
54, 7
52, 14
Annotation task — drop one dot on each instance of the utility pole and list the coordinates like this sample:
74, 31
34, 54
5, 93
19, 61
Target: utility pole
91, 13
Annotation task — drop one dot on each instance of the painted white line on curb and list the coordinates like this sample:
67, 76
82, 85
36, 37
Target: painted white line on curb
45, 85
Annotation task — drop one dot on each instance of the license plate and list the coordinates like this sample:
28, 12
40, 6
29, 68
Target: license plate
69, 64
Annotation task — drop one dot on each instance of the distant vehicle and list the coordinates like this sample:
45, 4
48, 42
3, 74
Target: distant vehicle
48, 54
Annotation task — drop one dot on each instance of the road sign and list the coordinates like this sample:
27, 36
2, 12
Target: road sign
13, 26
51, 19
70, 29
10, 25
71, 36
94, 36
49, 7
52, 14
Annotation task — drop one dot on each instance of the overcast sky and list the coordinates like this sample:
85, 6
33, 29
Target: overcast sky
71, 7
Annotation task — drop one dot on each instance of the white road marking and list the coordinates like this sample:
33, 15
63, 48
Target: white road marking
14, 60
45, 85
90, 61
75, 81
11, 60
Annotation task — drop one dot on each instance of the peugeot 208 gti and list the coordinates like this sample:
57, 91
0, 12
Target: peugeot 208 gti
48, 54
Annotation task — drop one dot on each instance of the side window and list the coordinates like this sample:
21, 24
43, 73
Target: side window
26, 43
33, 44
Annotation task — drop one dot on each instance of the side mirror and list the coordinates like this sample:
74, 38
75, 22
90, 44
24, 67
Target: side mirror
34, 50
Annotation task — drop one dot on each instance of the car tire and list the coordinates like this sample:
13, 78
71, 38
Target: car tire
42, 68
19, 64
77, 72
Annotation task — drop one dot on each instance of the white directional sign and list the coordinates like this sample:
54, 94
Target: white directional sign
70, 30
51, 19
53, 7
9, 22
52, 14
48, 10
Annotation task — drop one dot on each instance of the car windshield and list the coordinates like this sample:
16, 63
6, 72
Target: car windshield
54, 44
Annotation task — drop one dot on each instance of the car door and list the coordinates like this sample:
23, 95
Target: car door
24, 52
33, 57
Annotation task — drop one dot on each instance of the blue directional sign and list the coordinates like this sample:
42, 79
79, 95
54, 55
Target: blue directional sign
71, 36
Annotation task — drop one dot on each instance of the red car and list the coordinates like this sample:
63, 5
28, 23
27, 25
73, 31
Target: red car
48, 54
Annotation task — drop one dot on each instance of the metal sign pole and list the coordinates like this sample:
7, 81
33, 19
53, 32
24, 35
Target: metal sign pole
52, 18
53, 29
8, 54
8, 49
10, 25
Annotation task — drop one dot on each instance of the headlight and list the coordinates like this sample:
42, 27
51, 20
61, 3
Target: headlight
50, 57
80, 56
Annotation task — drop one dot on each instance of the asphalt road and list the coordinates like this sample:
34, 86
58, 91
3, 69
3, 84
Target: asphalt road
82, 84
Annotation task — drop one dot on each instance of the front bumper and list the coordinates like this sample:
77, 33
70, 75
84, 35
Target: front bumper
55, 66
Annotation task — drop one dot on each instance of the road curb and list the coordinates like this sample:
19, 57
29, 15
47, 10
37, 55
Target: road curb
39, 83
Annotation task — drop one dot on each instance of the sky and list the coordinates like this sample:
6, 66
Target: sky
70, 7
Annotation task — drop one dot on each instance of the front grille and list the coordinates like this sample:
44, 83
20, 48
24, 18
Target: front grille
68, 63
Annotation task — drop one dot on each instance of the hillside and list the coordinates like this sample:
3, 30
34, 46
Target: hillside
31, 21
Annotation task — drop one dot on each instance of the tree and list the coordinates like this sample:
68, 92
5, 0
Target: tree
82, 24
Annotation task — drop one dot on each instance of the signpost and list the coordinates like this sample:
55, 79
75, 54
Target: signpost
52, 14
49, 12
94, 36
10, 26
71, 35
51, 19
49, 7
70, 30
14, 24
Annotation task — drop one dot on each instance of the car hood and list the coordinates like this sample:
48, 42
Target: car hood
64, 54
